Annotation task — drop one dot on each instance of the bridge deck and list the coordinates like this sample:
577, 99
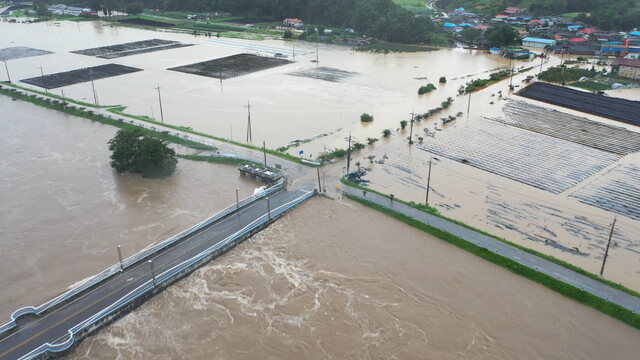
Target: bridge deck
32, 332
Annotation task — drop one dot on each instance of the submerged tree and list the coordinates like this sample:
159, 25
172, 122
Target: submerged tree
132, 151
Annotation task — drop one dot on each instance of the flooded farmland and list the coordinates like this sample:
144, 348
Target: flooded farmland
65, 210
283, 107
336, 280
332, 279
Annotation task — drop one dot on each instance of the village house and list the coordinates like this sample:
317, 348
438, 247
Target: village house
628, 68
293, 22
513, 10
537, 42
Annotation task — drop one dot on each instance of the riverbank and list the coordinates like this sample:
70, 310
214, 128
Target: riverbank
610, 298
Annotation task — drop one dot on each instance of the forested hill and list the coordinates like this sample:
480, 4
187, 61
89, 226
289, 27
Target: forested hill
606, 14
383, 19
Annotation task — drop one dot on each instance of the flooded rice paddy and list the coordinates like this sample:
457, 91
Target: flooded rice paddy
331, 279
132, 48
336, 280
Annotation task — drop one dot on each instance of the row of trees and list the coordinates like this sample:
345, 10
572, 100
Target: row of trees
383, 19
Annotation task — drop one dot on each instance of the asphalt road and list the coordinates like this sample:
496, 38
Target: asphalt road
34, 332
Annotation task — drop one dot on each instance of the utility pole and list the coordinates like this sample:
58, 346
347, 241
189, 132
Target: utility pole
562, 57
349, 153
269, 208
237, 200
606, 252
160, 101
120, 257
469, 105
153, 274
319, 184
7, 69
411, 131
264, 151
249, 138
426, 201
43, 83
541, 62
510, 71
93, 87
64, 103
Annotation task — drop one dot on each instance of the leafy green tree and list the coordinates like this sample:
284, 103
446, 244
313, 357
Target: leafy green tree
470, 35
132, 151
288, 34
366, 117
503, 35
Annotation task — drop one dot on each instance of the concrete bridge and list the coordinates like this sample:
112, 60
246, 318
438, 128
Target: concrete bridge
56, 326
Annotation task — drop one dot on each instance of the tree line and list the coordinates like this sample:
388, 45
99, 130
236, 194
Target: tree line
382, 19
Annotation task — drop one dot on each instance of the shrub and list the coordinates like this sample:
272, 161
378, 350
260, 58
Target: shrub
425, 89
366, 118
386, 132
370, 141
288, 34
403, 124
443, 80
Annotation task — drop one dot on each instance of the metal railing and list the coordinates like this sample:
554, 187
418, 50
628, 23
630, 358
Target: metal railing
163, 277
134, 259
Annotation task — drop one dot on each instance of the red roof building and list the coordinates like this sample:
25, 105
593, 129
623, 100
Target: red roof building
513, 10
577, 40
588, 31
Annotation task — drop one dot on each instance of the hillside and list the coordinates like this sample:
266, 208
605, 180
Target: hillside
606, 14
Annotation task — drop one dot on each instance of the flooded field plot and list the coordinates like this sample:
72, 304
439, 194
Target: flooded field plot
231, 66
19, 52
323, 73
72, 77
541, 161
570, 127
617, 191
614, 108
132, 48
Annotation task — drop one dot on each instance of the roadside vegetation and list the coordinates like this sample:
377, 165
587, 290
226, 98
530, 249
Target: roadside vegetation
585, 298
426, 88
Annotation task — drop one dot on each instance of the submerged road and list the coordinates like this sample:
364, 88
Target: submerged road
33, 332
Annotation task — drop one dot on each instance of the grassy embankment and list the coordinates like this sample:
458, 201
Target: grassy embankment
434, 211
387, 47
91, 115
585, 298
119, 110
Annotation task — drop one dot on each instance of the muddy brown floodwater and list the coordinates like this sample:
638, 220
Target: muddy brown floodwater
336, 280
64, 210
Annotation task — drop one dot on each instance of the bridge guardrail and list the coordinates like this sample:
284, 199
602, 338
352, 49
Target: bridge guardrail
163, 277
134, 259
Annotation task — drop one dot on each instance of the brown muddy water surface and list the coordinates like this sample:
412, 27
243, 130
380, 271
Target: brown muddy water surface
64, 210
336, 280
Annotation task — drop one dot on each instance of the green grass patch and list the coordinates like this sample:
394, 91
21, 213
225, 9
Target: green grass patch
591, 86
89, 114
562, 74
583, 297
59, 97
423, 207
120, 111
416, 6
387, 47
